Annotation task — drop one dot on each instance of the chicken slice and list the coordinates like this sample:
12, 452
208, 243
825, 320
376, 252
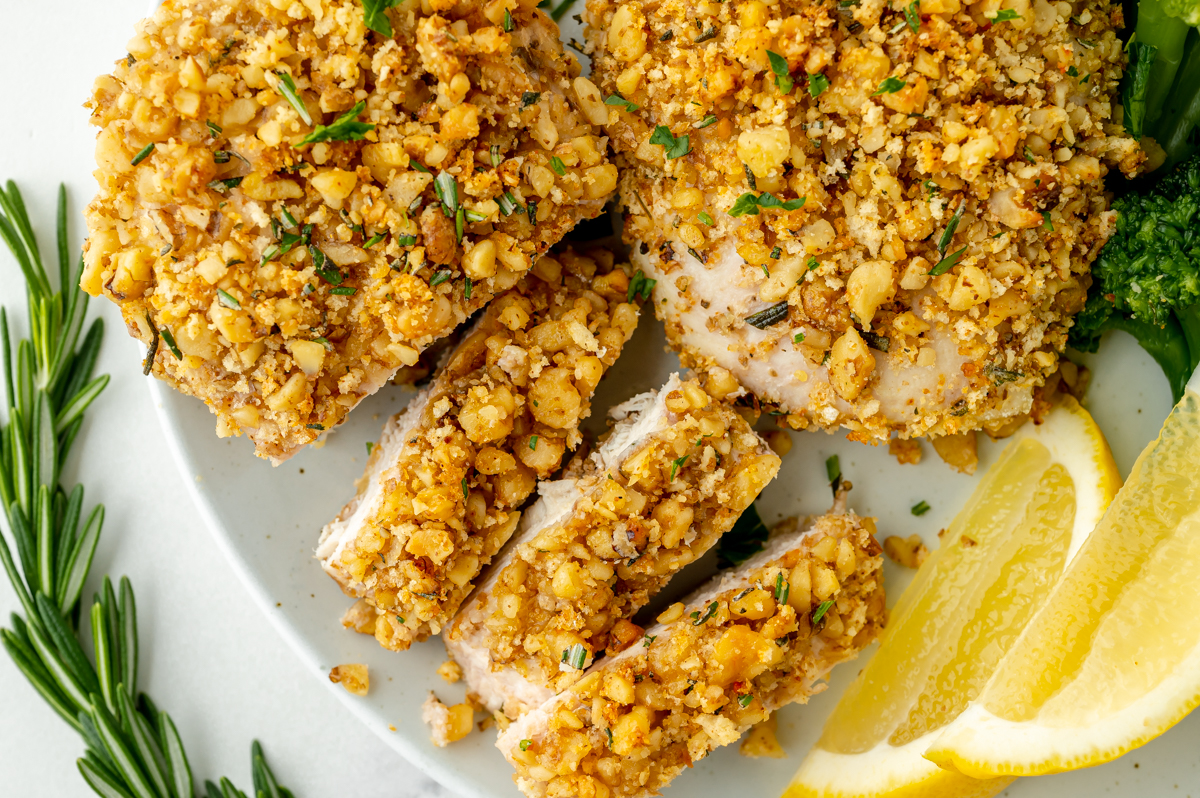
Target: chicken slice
444, 486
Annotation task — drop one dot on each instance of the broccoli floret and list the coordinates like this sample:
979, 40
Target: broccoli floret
1146, 279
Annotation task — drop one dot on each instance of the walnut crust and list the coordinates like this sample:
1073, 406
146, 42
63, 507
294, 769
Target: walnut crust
566, 591
744, 646
297, 278
1012, 121
501, 415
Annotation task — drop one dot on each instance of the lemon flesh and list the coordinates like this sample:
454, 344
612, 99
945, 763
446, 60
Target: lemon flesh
998, 562
1113, 659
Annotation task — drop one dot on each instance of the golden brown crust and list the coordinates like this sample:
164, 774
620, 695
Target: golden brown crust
500, 416
567, 591
1012, 121
708, 672
296, 277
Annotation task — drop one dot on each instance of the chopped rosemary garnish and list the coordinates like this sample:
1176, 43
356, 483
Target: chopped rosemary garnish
331, 276
711, 33
446, 188
373, 240
228, 300
508, 26
224, 185
287, 88
533, 439
319, 427
466, 491
345, 128
406, 241
748, 204
833, 470
920, 508
494, 151
951, 227
1046, 223
783, 77
507, 204
745, 700
770, 316
531, 212
343, 290
420, 167
822, 608
375, 19
749, 173
169, 340
677, 464
890, 85
575, 656
467, 284
817, 84
560, 10
528, 98
711, 119
647, 640
698, 620
557, 165
704, 216
152, 350
783, 588
214, 129
439, 277
1005, 15
947, 263
673, 146
143, 154
912, 15
876, 341
618, 100
640, 285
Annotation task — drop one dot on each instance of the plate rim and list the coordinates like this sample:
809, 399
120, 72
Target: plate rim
161, 394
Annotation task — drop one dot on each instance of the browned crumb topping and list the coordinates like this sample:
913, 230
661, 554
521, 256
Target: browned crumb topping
950, 157
295, 275
501, 415
909, 552
708, 672
569, 592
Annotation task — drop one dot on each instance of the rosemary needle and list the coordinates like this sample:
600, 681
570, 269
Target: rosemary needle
132, 749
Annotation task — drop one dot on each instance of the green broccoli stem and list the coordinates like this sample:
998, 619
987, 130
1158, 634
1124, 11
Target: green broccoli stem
1167, 345
1182, 111
1167, 34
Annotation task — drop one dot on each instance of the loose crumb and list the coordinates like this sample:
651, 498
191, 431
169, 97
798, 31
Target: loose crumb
353, 677
450, 671
761, 741
909, 552
907, 451
446, 724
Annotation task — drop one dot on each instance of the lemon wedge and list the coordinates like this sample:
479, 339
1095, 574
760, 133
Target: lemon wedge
997, 563
1113, 658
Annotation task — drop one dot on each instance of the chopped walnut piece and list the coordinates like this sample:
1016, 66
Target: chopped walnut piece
909, 552
353, 677
958, 451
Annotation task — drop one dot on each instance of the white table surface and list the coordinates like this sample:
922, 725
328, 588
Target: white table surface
207, 655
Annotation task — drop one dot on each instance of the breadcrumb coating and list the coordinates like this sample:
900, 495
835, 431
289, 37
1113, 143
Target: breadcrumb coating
747, 643
443, 488
674, 475
874, 215
298, 205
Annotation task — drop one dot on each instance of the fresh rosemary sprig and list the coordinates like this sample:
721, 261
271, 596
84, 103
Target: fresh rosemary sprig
132, 749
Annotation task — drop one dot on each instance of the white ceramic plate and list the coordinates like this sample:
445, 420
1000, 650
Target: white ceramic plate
267, 521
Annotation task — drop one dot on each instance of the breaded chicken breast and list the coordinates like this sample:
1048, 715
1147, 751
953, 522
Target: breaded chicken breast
292, 206
877, 216
443, 488
673, 476
746, 643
